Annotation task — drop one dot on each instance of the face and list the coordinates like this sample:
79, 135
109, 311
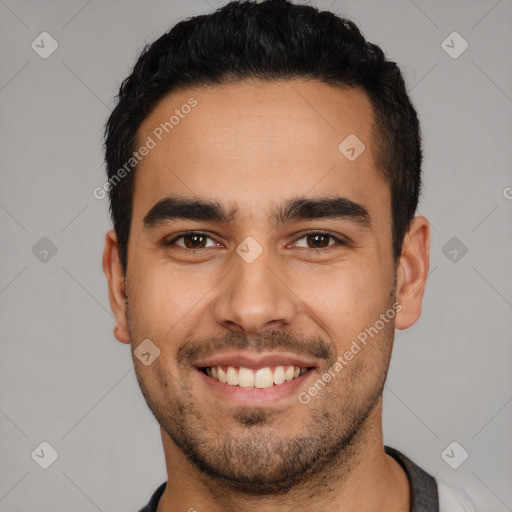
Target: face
259, 253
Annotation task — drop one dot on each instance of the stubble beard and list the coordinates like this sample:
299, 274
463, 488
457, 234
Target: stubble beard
258, 457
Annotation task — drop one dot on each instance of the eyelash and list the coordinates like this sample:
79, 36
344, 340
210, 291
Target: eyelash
338, 241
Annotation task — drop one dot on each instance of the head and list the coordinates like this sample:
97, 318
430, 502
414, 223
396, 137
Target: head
286, 143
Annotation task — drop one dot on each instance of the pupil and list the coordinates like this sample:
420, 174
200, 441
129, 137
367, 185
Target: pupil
316, 238
192, 245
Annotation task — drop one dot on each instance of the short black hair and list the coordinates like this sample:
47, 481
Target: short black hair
268, 41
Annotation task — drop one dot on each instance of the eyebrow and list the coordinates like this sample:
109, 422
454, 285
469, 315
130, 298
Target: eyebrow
295, 209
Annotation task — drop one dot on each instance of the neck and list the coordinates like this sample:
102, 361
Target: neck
363, 479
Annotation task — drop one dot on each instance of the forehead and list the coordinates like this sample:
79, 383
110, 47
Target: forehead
246, 143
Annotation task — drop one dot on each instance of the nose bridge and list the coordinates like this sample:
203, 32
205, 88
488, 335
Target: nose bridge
254, 296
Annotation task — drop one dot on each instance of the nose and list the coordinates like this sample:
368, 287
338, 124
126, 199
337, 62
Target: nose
255, 297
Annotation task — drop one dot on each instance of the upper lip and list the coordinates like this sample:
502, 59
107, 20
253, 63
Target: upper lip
255, 360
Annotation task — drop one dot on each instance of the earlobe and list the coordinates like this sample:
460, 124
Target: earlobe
116, 286
412, 272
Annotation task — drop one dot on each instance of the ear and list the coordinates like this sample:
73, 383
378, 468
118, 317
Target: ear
412, 272
116, 286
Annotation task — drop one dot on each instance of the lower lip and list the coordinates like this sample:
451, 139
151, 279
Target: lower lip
254, 396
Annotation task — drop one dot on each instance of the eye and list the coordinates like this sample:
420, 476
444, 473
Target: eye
319, 240
191, 240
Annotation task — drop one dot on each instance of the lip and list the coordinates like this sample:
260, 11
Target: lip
254, 397
255, 360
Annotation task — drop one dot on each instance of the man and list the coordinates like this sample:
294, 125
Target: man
264, 168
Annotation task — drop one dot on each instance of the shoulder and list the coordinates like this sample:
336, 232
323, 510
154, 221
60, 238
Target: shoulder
453, 499
155, 498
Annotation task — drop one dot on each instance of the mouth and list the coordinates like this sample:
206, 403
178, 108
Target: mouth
255, 379
260, 378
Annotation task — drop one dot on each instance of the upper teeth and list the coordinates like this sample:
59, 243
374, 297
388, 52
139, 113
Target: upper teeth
254, 378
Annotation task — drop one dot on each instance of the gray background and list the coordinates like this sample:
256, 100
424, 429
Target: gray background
64, 379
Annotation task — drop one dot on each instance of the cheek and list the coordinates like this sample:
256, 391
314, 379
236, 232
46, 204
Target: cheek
165, 300
346, 298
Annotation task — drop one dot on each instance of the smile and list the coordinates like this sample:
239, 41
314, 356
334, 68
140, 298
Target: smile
264, 377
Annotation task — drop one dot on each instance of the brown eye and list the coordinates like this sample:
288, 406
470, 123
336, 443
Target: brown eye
320, 240
194, 241
191, 241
